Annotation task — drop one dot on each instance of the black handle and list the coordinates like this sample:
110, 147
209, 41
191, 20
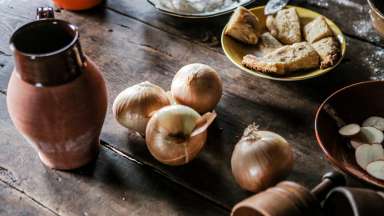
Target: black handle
45, 13
329, 181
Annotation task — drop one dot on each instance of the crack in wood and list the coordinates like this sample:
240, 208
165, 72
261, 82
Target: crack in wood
185, 37
3, 91
7, 174
180, 36
4, 53
152, 48
30, 197
165, 175
363, 40
124, 26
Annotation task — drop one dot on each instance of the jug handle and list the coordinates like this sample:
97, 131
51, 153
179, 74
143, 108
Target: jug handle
44, 13
329, 181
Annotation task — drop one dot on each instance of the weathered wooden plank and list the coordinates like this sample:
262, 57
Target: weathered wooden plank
111, 185
129, 51
14, 202
351, 15
150, 54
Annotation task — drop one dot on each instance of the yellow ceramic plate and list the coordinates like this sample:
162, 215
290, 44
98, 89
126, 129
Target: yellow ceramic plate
235, 50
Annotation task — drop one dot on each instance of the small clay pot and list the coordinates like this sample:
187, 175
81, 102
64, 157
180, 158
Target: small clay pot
56, 96
288, 199
377, 15
354, 202
76, 4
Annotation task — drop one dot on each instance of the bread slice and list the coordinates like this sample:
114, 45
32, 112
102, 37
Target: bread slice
285, 26
268, 43
317, 29
244, 26
285, 59
329, 51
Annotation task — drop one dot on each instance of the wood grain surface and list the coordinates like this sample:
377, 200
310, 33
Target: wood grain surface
131, 42
112, 185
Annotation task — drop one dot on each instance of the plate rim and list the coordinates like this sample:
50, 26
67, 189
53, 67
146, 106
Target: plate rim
290, 79
198, 16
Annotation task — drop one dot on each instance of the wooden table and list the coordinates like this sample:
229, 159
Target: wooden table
132, 42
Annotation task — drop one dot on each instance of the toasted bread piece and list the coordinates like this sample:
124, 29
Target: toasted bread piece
286, 59
329, 51
244, 26
285, 26
268, 43
317, 29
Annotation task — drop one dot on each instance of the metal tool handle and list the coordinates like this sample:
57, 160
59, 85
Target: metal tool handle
329, 181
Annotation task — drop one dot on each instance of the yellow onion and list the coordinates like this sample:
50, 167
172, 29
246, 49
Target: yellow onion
176, 134
134, 106
261, 159
198, 86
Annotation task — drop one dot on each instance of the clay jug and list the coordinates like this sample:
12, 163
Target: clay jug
76, 4
56, 95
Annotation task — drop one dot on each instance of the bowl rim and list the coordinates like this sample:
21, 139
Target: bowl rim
198, 15
348, 195
374, 8
341, 38
328, 155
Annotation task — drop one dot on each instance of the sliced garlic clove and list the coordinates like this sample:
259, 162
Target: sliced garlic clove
356, 143
349, 130
374, 121
371, 135
376, 169
366, 154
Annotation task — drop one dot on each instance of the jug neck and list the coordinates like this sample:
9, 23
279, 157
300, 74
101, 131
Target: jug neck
47, 52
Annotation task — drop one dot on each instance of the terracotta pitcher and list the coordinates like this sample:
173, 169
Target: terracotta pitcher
56, 96
76, 4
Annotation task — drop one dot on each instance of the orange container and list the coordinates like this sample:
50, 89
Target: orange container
76, 4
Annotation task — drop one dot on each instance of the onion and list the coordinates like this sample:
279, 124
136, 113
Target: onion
198, 86
261, 159
134, 106
177, 133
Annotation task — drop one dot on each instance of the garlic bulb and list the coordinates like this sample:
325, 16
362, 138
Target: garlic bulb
177, 133
198, 86
134, 106
261, 159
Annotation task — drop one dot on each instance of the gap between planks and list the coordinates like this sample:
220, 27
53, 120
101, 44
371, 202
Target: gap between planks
29, 197
184, 37
147, 165
131, 158
165, 175
187, 38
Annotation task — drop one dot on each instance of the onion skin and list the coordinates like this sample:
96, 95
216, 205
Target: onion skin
168, 135
198, 86
134, 106
261, 159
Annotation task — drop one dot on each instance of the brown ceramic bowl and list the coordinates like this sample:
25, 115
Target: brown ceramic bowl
354, 202
377, 15
353, 104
